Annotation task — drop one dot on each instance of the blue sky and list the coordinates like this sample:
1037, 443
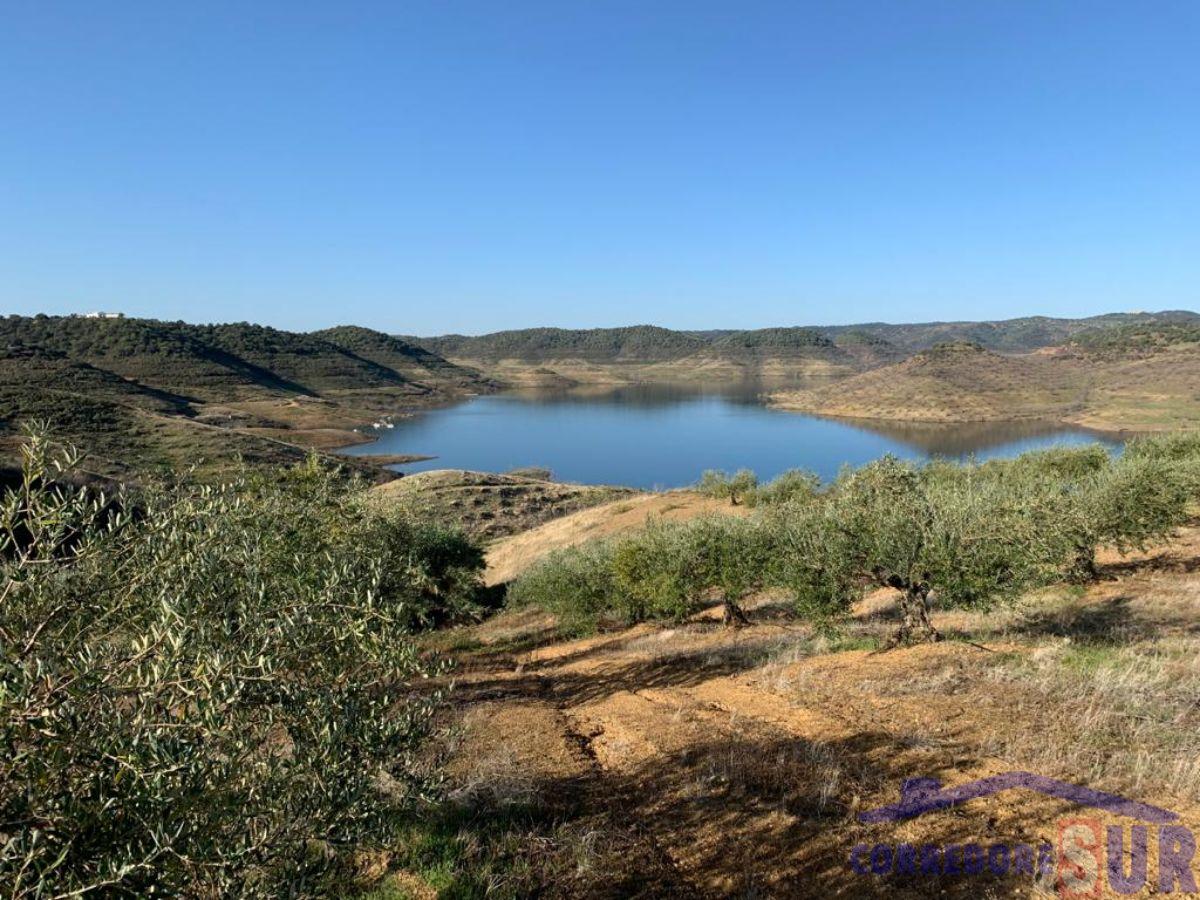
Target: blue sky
468, 166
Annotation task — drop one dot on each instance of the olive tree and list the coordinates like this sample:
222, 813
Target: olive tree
792, 486
668, 570
946, 532
1180, 449
575, 584
215, 694
1130, 504
811, 559
731, 556
723, 486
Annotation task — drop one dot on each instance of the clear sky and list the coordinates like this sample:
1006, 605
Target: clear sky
468, 166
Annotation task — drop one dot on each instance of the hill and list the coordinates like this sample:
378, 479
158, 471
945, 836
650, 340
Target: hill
1140, 376
1143, 376
952, 382
140, 391
644, 352
639, 343
408, 359
868, 350
1141, 339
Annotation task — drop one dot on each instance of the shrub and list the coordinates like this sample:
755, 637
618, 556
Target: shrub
432, 570
1175, 446
1181, 449
959, 535
1070, 463
666, 571
731, 556
681, 565
215, 696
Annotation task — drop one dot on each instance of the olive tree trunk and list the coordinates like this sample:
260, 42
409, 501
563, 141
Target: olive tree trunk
915, 624
1083, 568
733, 615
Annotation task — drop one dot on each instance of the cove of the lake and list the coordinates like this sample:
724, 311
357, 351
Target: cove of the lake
664, 436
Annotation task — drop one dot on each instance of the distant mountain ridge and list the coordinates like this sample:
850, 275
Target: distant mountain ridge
653, 343
644, 343
1009, 335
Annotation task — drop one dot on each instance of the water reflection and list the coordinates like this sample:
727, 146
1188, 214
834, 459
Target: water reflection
963, 439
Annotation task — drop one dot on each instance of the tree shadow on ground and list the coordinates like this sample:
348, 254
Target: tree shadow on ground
1114, 621
764, 815
554, 679
1168, 559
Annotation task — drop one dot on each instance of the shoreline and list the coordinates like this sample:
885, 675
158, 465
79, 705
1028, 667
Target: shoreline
1084, 423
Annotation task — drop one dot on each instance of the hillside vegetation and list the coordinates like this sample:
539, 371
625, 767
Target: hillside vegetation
972, 535
141, 393
243, 688
1007, 335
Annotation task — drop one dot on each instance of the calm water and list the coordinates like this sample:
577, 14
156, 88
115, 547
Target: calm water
656, 436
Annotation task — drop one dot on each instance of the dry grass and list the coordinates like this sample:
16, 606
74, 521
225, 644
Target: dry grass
733, 762
1123, 716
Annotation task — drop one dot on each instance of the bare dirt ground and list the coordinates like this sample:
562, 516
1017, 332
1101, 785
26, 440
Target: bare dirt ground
700, 761
509, 557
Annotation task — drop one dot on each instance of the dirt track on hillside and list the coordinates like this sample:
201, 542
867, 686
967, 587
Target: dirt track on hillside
701, 761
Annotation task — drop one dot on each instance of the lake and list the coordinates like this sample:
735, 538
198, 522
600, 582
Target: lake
662, 436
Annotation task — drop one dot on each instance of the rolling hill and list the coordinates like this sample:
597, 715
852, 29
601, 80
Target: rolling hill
644, 352
951, 382
411, 361
140, 391
635, 343
649, 353
1140, 376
